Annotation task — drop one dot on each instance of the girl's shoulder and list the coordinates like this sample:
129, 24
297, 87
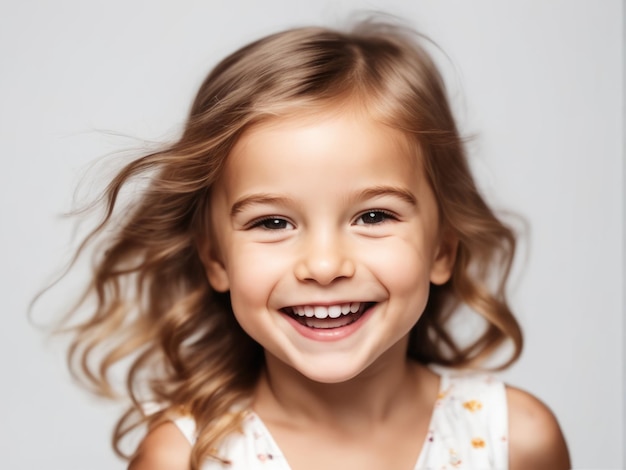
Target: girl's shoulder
168, 446
165, 447
536, 439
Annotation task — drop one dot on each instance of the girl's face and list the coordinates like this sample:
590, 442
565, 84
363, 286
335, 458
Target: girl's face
326, 233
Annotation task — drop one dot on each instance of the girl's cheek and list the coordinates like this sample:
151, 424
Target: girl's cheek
399, 258
252, 274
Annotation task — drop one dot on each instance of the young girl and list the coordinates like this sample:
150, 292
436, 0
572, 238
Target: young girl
285, 278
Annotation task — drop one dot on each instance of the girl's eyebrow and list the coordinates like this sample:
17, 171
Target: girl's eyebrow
377, 191
252, 199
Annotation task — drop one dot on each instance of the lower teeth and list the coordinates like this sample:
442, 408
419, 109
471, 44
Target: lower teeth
329, 323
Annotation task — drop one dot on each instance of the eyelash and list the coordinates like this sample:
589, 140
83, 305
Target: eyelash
263, 223
386, 215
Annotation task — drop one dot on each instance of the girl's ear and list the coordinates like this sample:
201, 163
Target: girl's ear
443, 264
213, 267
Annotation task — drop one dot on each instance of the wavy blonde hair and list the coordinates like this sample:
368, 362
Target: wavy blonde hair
154, 308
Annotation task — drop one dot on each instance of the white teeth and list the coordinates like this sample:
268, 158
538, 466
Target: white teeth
321, 312
334, 311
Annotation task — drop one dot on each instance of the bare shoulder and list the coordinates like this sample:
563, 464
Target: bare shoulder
164, 448
535, 437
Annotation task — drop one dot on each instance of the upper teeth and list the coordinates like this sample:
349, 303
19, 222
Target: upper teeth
332, 311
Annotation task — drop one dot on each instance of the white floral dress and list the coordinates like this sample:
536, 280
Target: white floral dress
468, 430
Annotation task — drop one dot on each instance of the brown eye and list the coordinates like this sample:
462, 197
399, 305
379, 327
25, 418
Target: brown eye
373, 217
272, 223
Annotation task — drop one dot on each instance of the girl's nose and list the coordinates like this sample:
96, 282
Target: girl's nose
323, 261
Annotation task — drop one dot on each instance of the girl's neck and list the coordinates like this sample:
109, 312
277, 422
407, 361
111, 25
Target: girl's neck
374, 396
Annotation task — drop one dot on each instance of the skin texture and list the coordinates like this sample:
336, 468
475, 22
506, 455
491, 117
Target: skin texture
164, 448
328, 210
536, 440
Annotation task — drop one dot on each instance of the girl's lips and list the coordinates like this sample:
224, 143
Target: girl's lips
324, 324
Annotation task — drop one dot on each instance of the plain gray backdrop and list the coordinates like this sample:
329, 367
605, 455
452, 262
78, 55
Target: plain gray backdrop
538, 83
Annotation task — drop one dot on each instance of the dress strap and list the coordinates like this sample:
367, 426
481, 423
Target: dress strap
187, 426
469, 427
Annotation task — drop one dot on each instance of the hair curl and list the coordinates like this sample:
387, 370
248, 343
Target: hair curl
153, 303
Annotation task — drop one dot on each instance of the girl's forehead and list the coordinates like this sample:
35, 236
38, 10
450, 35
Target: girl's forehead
363, 120
330, 141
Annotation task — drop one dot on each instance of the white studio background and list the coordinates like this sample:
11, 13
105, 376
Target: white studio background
540, 84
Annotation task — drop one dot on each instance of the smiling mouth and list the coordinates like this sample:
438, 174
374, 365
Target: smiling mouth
328, 317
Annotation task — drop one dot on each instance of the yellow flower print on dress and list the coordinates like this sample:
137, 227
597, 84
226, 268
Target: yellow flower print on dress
443, 393
473, 405
478, 443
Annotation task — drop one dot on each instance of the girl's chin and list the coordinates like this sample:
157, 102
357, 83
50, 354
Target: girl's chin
333, 370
